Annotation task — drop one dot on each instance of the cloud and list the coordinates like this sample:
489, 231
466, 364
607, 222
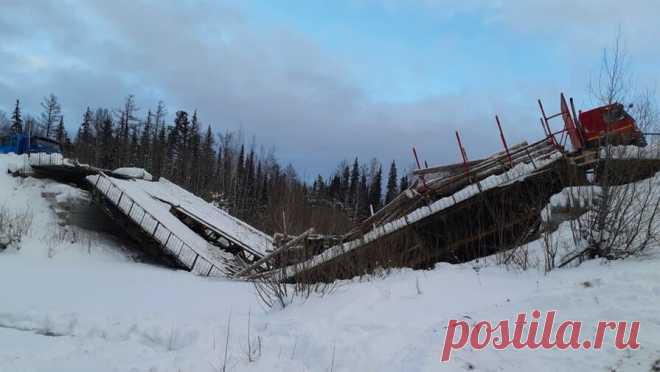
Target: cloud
273, 80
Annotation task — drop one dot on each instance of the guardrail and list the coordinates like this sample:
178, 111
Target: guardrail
169, 241
43, 159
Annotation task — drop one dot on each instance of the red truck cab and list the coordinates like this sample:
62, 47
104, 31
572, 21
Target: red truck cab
609, 123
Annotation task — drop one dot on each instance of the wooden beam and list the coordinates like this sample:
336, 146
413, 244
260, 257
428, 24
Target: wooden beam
276, 252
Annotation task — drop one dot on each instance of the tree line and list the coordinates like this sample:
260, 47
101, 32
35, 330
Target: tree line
244, 179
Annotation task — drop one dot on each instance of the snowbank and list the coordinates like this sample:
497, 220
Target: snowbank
651, 151
137, 173
133, 317
64, 193
46, 238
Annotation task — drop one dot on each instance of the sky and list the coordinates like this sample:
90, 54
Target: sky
322, 81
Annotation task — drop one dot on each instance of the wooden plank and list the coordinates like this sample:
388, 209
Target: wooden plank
276, 252
218, 231
457, 167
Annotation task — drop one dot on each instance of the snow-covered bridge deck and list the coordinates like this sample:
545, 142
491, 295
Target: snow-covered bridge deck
321, 267
193, 233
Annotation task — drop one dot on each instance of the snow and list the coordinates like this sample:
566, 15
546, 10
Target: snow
651, 151
64, 193
137, 173
25, 197
133, 317
77, 311
233, 227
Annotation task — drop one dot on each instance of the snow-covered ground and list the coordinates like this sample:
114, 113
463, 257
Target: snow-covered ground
49, 236
101, 311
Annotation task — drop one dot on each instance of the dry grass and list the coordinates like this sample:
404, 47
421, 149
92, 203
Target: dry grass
13, 227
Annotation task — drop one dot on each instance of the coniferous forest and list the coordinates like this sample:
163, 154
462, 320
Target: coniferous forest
240, 177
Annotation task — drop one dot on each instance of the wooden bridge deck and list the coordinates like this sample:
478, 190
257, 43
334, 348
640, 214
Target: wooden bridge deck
158, 238
440, 228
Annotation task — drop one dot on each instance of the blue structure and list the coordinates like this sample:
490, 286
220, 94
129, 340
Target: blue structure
21, 143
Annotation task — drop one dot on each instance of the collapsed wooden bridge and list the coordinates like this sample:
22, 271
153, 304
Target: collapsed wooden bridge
450, 213
455, 213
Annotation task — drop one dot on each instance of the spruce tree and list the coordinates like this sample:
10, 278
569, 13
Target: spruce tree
159, 152
16, 120
403, 184
194, 149
107, 143
250, 176
61, 135
227, 159
207, 164
334, 190
319, 187
392, 186
84, 146
264, 196
345, 184
180, 140
363, 196
86, 126
375, 189
239, 181
170, 161
353, 186
250, 197
258, 180
217, 182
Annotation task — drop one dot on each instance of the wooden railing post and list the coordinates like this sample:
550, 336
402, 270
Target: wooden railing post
144, 214
168, 239
192, 267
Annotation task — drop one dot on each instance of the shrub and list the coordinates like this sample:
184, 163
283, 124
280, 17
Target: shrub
13, 226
